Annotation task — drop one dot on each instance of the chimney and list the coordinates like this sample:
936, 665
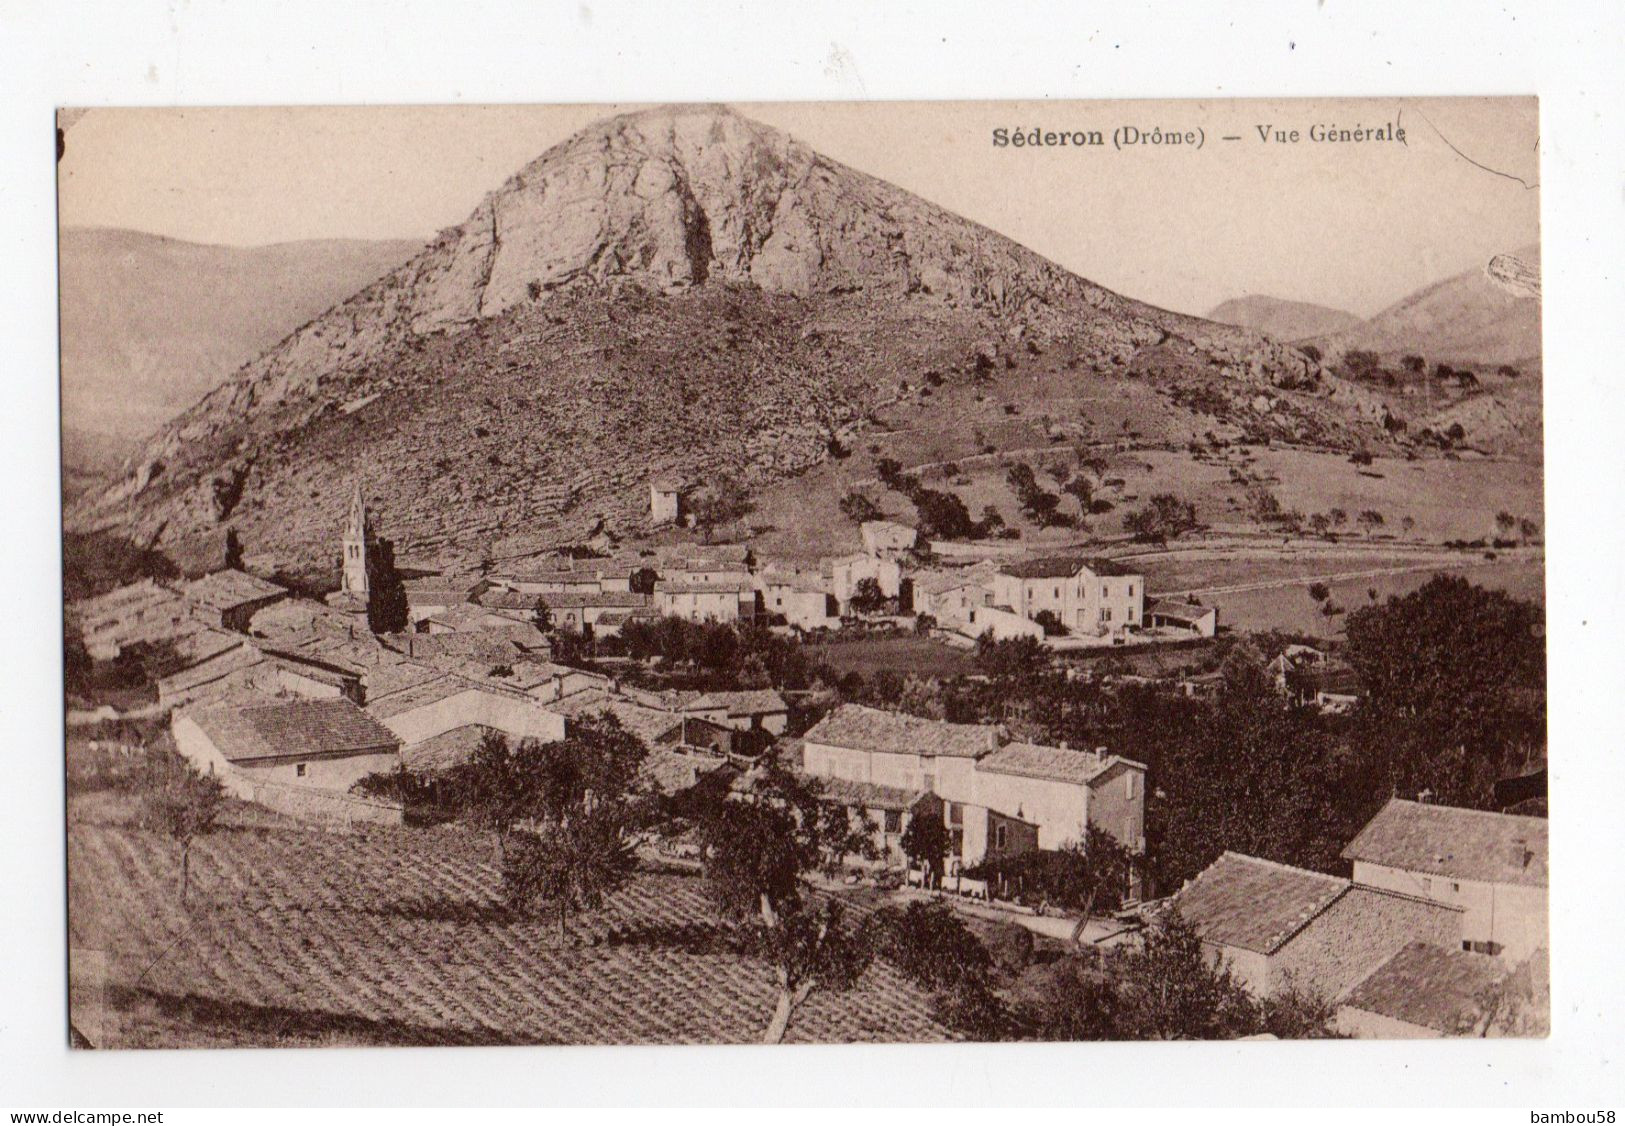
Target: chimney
1064, 747
992, 738
1102, 751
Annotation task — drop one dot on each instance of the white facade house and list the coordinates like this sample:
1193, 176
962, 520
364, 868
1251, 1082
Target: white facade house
1490, 865
725, 600
886, 537
665, 501
1090, 597
803, 599
322, 744
848, 571
983, 781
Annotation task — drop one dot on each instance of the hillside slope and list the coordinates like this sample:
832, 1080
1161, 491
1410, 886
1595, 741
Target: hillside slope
1486, 315
679, 289
149, 324
1282, 319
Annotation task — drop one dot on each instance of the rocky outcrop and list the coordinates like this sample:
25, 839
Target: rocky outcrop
536, 316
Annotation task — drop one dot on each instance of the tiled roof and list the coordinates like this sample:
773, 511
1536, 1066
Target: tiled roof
418, 696
446, 750
761, 701
941, 582
395, 676
573, 600
1255, 904
1177, 610
1055, 764
729, 587
1062, 567
223, 590
1430, 986
1463, 844
866, 795
870, 729
672, 771
299, 727
499, 599
647, 724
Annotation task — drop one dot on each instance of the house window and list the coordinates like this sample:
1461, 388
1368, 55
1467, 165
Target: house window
998, 837
1103, 590
956, 813
1128, 787
1427, 886
299, 770
956, 842
1057, 592
1131, 590
1105, 613
894, 821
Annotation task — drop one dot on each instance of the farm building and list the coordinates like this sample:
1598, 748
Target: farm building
321, 744
665, 500
1422, 992
1003, 623
1189, 617
1492, 866
430, 709
755, 710
850, 570
722, 600
1276, 926
801, 598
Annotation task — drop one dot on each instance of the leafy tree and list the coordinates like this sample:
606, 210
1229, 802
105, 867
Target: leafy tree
1165, 990
934, 948
1370, 520
387, 606
1416, 365
942, 515
1320, 523
1320, 592
1051, 621
1311, 351
1505, 522
181, 804
1087, 877
889, 470
867, 597
1014, 658
571, 865
1408, 524
1339, 517
1528, 530
755, 853
925, 841
1294, 1012
542, 616
1163, 518
859, 508
922, 696
1455, 680
724, 503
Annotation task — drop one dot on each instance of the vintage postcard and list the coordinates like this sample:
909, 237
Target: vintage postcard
819, 572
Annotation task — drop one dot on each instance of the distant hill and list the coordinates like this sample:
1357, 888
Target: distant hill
150, 324
1280, 318
681, 290
1489, 315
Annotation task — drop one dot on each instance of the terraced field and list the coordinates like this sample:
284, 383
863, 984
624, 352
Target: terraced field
294, 937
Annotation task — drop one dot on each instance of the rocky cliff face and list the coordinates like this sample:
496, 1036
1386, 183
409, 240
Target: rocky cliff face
679, 288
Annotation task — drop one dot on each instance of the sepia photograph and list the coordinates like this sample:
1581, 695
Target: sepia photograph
817, 572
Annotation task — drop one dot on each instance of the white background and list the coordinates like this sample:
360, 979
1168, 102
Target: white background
321, 52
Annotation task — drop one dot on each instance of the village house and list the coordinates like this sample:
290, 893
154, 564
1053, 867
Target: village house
1182, 617
1002, 623
751, 710
990, 790
886, 538
801, 598
1423, 992
1277, 927
229, 599
321, 744
434, 707
850, 570
556, 577
218, 664
648, 724
139, 613
722, 600
579, 613
1491, 866
430, 596
950, 597
1089, 597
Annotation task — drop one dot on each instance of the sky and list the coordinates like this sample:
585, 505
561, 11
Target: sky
1355, 225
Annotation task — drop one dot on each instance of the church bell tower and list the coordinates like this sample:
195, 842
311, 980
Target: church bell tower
357, 544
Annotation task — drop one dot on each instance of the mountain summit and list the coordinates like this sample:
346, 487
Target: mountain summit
676, 290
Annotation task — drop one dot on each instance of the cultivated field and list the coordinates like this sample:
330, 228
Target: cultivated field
294, 937
918, 655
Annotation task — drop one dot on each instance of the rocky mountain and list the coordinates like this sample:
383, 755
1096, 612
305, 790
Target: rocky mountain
1280, 318
1489, 315
149, 324
678, 290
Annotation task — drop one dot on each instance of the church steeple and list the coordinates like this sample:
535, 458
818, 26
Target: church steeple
357, 545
